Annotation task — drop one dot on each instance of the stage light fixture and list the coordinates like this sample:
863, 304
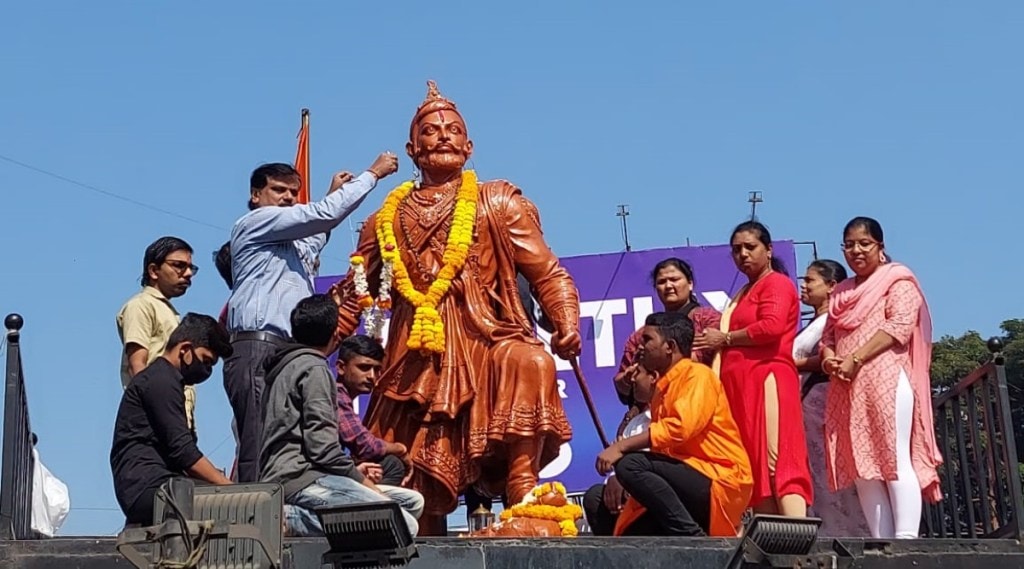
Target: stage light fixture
366, 535
776, 541
236, 526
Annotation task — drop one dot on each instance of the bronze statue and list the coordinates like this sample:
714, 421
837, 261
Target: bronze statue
466, 385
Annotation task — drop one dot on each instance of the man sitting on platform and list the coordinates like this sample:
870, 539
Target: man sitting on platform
301, 450
359, 365
603, 502
152, 439
695, 480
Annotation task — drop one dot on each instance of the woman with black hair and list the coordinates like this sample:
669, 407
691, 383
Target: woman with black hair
755, 363
876, 347
673, 282
840, 513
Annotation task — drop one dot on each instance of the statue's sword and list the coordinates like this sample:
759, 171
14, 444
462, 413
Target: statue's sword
590, 401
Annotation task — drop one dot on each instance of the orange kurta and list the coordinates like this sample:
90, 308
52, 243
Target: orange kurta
691, 422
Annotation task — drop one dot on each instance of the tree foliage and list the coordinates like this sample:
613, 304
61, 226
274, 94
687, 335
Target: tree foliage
955, 357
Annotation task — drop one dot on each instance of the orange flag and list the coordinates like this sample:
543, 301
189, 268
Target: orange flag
302, 157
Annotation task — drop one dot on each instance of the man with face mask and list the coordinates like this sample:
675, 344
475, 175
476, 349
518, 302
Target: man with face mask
152, 439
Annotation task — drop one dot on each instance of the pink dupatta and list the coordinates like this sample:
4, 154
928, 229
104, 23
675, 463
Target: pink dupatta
847, 309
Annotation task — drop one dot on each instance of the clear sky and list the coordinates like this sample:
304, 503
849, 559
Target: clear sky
909, 112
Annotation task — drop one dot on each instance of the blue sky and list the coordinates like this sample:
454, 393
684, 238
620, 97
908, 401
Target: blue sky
909, 112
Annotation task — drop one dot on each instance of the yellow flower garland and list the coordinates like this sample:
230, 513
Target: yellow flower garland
427, 329
548, 487
566, 515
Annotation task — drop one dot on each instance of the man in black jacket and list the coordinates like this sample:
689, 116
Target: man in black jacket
152, 439
301, 450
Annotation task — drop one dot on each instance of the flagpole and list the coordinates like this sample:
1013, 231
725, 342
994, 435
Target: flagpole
309, 173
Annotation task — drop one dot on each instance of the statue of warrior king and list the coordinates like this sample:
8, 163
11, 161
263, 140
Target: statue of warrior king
466, 385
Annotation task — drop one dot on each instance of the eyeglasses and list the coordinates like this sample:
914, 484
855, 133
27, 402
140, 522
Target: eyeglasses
182, 266
862, 245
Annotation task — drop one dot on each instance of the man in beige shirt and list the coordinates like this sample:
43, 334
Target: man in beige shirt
146, 321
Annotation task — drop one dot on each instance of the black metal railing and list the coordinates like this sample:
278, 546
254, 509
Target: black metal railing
17, 465
981, 482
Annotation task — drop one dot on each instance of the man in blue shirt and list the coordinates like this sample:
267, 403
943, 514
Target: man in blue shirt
274, 251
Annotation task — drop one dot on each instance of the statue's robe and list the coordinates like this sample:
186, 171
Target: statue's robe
470, 416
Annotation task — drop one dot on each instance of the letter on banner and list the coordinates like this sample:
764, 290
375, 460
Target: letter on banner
643, 306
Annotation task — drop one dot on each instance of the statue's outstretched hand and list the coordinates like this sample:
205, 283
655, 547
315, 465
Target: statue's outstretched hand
566, 343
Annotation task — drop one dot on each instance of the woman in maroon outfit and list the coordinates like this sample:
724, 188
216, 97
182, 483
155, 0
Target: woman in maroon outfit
755, 363
673, 282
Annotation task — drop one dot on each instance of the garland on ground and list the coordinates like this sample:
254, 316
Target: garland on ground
566, 515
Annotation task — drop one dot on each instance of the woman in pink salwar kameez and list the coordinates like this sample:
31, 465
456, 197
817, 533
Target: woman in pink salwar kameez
876, 348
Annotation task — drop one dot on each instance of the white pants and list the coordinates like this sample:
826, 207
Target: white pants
893, 509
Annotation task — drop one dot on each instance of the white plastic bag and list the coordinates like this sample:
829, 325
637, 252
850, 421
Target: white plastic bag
50, 499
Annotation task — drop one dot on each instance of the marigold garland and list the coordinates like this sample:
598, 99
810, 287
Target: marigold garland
547, 488
566, 515
568, 528
427, 328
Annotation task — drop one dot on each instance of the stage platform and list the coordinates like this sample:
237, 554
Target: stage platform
652, 553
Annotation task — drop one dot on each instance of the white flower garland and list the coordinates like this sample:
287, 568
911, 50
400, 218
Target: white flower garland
373, 309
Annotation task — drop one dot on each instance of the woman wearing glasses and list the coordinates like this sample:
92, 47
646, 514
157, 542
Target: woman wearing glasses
876, 348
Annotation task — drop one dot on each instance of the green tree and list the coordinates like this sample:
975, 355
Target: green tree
955, 357
1013, 351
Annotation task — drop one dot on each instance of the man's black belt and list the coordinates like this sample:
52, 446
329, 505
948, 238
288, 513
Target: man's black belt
261, 336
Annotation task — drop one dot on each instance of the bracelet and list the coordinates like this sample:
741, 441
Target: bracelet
857, 361
728, 338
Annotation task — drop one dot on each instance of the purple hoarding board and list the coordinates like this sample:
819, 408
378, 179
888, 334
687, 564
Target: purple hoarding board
616, 296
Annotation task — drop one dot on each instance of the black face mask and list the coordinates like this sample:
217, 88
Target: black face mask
195, 372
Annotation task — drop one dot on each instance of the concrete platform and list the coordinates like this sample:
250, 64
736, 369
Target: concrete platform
653, 553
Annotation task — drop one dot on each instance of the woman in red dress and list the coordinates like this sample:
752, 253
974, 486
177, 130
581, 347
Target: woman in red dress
755, 363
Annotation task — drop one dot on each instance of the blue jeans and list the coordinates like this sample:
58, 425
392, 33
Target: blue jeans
335, 490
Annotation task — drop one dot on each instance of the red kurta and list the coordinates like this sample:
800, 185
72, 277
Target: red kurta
770, 313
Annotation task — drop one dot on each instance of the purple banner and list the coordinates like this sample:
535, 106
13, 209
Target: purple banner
616, 295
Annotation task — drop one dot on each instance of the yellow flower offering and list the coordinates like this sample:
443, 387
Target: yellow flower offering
427, 329
566, 514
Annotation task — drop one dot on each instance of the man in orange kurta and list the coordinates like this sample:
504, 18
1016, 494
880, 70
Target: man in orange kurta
695, 479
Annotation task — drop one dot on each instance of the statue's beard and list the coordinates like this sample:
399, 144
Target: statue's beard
441, 161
